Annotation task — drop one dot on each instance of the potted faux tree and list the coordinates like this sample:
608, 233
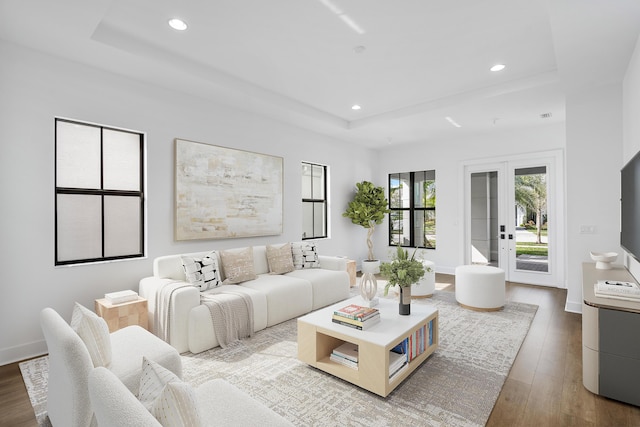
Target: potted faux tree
403, 271
367, 209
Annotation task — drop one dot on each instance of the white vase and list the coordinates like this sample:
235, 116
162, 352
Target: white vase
368, 283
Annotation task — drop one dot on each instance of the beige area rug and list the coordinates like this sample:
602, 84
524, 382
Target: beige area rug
456, 386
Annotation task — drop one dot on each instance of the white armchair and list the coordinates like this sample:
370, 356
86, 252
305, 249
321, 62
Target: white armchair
70, 364
217, 402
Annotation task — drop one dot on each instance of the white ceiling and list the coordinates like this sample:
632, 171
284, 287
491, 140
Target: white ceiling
297, 60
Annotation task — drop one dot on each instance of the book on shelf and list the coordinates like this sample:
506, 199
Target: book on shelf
618, 296
356, 312
347, 350
396, 360
363, 326
345, 362
398, 371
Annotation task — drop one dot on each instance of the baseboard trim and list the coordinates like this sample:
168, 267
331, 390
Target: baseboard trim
22, 352
573, 307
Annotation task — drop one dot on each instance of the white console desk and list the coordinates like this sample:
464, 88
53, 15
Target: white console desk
610, 339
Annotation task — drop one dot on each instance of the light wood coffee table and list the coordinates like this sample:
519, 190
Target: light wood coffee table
318, 336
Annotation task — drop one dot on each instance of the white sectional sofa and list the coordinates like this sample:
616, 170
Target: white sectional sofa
188, 326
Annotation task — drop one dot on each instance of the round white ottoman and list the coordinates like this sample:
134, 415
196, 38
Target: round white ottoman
427, 285
480, 287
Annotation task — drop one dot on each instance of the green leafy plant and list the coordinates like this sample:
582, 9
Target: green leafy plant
402, 270
368, 208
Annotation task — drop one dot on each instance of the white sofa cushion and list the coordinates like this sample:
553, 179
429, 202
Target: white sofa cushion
94, 332
328, 286
287, 297
202, 272
280, 259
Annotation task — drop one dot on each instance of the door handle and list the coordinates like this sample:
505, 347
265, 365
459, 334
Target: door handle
510, 236
502, 236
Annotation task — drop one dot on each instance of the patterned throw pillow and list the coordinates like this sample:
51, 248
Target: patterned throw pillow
202, 273
170, 401
280, 259
94, 332
177, 406
305, 255
238, 265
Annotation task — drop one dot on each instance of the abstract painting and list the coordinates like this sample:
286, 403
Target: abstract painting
224, 193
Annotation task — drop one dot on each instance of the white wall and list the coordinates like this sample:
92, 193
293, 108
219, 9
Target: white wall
631, 125
34, 88
594, 153
447, 157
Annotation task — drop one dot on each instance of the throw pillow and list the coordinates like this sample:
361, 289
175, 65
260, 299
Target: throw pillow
177, 406
168, 399
202, 273
238, 265
94, 332
305, 255
280, 259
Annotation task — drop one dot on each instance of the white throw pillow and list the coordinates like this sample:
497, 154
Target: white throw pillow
168, 399
238, 265
305, 255
94, 332
280, 259
177, 406
204, 272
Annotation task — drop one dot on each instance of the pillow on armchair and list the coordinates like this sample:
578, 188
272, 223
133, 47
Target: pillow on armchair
94, 332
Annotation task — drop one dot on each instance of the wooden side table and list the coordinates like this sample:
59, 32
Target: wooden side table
118, 316
351, 269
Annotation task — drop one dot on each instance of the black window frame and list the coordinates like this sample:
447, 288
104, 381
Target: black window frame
102, 193
324, 201
412, 210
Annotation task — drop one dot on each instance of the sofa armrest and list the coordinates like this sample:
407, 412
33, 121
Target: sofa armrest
182, 301
333, 262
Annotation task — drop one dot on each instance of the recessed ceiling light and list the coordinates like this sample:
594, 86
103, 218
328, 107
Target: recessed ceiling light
497, 67
453, 122
355, 107
177, 24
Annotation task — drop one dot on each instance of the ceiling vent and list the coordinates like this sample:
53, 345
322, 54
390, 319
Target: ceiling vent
546, 115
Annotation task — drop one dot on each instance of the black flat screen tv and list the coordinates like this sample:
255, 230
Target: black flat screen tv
630, 207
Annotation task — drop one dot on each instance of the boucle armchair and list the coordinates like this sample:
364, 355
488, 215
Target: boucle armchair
218, 403
70, 364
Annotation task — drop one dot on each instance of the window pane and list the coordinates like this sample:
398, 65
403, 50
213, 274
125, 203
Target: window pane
306, 181
79, 227
318, 182
121, 160
400, 228
399, 193
425, 228
121, 226
77, 155
424, 189
319, 220
307, 220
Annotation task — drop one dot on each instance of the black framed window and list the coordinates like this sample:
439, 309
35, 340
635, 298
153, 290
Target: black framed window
314, 201
412, 205
99, 199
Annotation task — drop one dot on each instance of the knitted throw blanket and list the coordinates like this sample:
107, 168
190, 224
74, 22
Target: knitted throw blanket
162, 311
231, 314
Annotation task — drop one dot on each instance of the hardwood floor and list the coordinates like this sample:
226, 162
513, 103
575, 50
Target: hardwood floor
544, 387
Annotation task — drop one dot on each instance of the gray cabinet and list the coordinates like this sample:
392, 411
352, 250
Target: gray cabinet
610, 339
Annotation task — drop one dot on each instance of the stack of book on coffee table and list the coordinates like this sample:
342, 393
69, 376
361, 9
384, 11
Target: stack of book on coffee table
398, 359
356, 316
346, 354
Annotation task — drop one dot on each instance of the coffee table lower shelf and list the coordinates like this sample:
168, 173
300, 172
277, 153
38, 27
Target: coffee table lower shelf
317, 338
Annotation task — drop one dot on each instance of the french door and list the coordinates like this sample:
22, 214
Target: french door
514, 217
